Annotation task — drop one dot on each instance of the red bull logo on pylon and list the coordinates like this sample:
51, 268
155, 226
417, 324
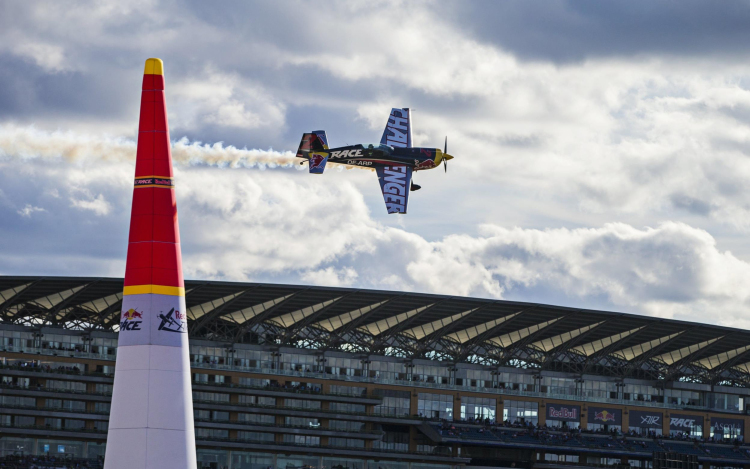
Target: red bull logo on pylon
605, 416
131, 314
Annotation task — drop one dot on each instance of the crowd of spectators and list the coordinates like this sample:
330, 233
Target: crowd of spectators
18, 461
36, 366
528, 432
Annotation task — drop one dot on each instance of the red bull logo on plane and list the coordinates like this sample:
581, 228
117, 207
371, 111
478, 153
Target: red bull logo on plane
317, 161
426, 164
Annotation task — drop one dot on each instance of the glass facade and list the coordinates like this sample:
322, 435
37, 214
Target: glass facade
393, 402
521, 412
409, 391
435, 406
478, 408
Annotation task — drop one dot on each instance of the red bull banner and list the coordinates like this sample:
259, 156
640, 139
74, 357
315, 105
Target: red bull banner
564, 412
604, 415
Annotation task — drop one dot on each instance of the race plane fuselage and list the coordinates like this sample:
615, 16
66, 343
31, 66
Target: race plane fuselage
394, 159
368, 155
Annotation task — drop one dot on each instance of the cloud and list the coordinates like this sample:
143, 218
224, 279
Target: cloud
97, 204
574, 128
28, 210
279, 226
224, 100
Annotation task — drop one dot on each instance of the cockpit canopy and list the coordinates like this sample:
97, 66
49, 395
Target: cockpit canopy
376, 146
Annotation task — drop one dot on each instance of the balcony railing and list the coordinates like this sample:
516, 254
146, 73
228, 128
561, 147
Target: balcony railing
303, 374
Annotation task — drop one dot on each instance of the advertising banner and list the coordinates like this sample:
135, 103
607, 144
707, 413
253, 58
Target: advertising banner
604, 415
723, 425
564, 412
684, 423
645, 419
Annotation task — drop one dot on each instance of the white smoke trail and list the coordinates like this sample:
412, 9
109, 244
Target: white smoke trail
30, 142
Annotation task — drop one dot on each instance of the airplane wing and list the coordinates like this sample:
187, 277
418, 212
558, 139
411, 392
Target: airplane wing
395, 181
397, 131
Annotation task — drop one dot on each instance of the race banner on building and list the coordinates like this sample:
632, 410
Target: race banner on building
564, 412
645, 419
723, 425
684, 423
604, 415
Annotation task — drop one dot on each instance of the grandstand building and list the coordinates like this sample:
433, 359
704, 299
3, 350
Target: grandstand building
299, 376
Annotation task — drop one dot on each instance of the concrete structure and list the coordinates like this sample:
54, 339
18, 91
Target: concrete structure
281, 376
151, 419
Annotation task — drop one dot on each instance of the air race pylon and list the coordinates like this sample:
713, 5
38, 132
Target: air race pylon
151, 419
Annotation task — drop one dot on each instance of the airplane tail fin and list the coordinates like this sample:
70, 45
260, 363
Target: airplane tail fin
314, 147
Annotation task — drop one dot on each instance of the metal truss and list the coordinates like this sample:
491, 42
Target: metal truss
408, 325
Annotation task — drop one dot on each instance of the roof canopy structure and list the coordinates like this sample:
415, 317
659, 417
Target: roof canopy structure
408, 325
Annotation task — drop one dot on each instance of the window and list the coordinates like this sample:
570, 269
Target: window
431, 374
435, 406
722, 401
521, 412
254, 382
104, 389
394, 441
211, 433
257, 400
516, 381
346, 425
643, 393
301, 421
302, 440
210, 396
102, 407
394, 402
348, 390
558, 386
477, 408
346, 407
17, 401
255, 436
302, 403
212, 415
66, 385
600, 389
387, 371
256, 418
74, 424
346, 442
474, 378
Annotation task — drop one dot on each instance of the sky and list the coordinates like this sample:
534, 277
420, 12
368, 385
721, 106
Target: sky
602, 149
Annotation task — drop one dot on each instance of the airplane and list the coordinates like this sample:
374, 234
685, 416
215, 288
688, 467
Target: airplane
394, 159
168, 323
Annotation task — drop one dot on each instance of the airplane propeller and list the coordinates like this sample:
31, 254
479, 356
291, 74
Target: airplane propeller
445, 152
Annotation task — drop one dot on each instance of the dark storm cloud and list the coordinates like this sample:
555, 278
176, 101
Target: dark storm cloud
567, 30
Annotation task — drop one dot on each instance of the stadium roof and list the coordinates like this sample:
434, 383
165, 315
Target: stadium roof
408, 325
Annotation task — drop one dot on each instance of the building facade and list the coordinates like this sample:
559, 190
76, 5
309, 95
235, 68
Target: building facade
297, 386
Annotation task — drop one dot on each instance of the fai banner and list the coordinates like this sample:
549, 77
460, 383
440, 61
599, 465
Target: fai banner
564, 413
728, 426
641, 419
685, 423
604, 416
